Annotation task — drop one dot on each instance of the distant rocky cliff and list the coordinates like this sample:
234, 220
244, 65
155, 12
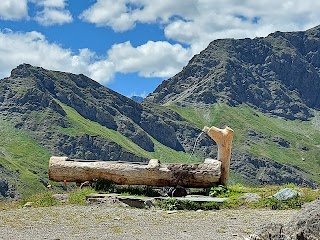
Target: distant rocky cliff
278, 74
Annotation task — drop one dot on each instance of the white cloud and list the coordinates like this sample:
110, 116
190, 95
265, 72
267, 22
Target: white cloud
122, 15
52, 16
198, 22
13, 9
33, 48
239, 19
141, 94
153, 59
109, 13
53, 12
50, 3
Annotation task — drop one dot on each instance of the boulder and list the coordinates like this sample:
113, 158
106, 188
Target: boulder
178, 192
250, 197
286, 194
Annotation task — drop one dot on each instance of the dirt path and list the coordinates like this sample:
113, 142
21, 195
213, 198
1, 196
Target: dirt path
105, 222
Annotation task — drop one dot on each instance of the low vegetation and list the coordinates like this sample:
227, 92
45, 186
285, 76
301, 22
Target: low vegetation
266, 200
78, 197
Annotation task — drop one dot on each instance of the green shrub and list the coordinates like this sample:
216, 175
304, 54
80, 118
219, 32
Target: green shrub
44, 199
218, 191
275, 204
224, 191
137, 191
210, 206
174, 204
168, 204
188, 205
78, 197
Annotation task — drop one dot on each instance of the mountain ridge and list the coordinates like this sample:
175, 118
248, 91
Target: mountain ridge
278, 74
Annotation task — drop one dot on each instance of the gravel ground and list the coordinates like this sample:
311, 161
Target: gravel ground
105, 222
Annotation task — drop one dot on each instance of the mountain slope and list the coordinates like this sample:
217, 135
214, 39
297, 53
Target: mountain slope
22, 161
30, 90
278, 74
266, 150
68, 114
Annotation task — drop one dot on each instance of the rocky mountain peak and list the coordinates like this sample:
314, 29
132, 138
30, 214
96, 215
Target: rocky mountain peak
278, 74
23, 70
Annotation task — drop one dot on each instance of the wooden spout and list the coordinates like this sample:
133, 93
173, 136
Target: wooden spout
223, 138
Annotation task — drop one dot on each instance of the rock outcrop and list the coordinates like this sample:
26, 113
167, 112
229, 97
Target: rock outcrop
265, 171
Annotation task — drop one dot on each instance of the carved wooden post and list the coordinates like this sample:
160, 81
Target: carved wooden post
223, 138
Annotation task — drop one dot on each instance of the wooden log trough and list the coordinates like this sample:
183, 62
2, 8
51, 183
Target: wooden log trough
153, 173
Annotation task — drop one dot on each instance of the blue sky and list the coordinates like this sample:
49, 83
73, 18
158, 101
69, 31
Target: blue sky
130, 46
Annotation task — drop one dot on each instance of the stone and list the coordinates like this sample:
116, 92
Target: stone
85, 184
149, 203
270, 231
197, 199
172, 211
286, 194
63, 198
209, 160
137, 202
6, 189
250, 197
178, 192
28, 204
96, 200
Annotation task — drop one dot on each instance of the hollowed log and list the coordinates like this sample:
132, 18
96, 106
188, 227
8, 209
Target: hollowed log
123, 173
153, 173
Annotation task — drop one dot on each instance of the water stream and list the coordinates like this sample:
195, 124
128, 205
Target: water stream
195, 144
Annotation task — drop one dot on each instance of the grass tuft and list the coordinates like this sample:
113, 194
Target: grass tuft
78, 197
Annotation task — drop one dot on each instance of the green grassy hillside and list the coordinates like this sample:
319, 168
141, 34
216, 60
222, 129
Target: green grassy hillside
24, 160
302, 137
